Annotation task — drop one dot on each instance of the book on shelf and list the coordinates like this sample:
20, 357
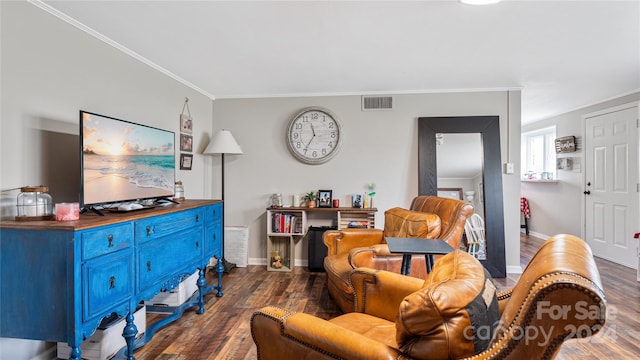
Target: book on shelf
283, 223
358, 224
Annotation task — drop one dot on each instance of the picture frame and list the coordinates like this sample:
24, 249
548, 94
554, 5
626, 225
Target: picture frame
452, 193
565, 144
324, 198
357, 201
564, 163
186, 124
186, 142
186, 160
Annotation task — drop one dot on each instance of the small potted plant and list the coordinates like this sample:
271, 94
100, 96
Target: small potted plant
311, 199
372, 188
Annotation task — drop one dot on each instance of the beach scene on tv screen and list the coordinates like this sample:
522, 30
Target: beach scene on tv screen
125, 161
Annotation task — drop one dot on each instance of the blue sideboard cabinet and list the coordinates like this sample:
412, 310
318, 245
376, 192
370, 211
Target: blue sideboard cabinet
60, 279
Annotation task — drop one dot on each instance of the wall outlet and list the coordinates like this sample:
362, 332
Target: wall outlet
508, 168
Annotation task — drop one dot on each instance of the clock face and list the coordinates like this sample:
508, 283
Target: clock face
314, 135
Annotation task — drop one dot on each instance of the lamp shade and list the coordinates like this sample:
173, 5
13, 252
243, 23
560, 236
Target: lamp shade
223, 142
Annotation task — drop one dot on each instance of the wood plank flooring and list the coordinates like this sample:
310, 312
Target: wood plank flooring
223, 331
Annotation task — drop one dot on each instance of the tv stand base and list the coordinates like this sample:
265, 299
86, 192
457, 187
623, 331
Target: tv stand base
92, 209
156, 201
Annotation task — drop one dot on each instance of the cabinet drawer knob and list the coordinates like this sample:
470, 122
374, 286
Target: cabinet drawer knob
197, 218
148, 266
197, 244
148, 230
112, 282
110, 238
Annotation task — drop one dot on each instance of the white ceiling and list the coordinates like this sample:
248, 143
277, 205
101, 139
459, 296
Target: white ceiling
563, 55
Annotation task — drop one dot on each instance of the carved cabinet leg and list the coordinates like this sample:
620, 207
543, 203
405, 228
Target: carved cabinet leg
75, 353
129, 334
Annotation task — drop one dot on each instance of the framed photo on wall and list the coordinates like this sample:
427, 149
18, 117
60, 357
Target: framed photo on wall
186, 124
324, 198
185, 161
186, 142
452, 193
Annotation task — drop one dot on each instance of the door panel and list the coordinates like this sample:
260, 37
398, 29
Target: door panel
611, 174
620, 171
620, 223
598, 222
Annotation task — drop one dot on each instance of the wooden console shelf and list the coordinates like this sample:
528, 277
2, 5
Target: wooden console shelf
79, 272
287, 225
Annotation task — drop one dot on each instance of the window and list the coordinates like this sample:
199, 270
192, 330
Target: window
538, 154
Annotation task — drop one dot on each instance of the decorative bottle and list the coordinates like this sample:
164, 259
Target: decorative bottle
34, 203
179, 192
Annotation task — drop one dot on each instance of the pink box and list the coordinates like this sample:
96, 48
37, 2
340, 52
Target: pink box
67, 211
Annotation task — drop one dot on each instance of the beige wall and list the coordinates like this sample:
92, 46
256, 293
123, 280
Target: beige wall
379, 147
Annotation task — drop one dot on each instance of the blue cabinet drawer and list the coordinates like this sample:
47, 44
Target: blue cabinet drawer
213, 213
162, 257
106, 240
108, 282
213, 233
213, 240
152, 228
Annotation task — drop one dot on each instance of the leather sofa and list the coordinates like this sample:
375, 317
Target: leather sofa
428, 217
558, 297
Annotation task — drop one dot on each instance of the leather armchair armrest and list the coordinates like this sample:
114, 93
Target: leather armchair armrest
381, 250
374, 256
583, 314
380, 258
281, 334
341, 241
379, 293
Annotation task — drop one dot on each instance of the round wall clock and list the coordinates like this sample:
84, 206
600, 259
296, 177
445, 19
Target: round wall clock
314, 135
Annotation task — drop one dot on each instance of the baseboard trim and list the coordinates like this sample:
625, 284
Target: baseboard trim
539, 235
257, 261
514, 269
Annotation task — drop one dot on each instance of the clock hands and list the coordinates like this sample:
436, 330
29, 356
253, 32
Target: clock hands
310, 140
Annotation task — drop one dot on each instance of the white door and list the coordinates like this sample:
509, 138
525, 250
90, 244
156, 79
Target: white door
611, 184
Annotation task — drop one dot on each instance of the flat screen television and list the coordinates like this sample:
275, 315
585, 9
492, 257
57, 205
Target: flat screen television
122, 161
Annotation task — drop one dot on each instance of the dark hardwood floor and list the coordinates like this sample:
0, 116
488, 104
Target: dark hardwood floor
223, 331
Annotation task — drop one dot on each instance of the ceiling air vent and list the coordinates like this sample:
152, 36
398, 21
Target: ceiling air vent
377, 103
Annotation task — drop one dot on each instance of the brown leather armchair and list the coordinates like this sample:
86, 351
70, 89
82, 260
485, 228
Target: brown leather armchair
558, 297
428, 217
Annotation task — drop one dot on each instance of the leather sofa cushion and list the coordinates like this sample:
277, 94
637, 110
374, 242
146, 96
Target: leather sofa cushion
399, 222
454, 315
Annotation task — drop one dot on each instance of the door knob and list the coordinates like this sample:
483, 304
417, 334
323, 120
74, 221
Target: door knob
587, 192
